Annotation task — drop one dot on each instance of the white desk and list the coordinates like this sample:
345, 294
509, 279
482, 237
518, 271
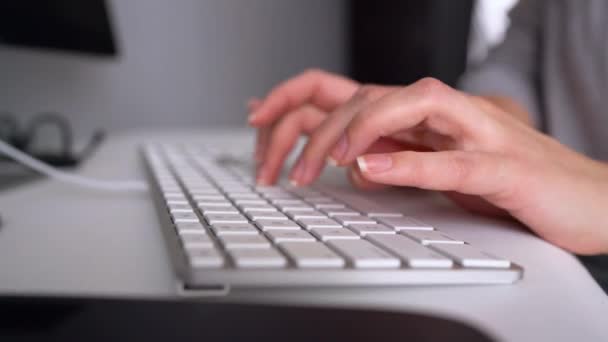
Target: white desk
58, 239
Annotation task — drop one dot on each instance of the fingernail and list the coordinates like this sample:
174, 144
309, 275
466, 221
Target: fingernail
340, 149
332, 161
374, 163
298, 172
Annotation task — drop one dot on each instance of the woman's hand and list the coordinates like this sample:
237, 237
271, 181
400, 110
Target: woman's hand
473, 148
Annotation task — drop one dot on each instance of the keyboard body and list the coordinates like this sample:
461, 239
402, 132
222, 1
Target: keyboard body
224, 231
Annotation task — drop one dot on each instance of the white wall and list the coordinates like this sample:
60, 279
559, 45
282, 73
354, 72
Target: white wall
183, 62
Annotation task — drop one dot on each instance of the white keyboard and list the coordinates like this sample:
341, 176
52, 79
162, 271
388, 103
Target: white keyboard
223, 230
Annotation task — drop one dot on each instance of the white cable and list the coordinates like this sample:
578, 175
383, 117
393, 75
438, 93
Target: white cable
66, 177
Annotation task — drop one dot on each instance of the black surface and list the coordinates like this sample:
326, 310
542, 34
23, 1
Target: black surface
597, 265
70, 25
401, 41
65, 319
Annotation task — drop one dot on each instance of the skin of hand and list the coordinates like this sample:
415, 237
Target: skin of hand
471, 147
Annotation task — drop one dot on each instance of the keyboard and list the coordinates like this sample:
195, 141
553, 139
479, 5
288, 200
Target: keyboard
224, 230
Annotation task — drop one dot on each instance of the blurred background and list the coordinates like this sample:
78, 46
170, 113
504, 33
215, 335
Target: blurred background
120, 65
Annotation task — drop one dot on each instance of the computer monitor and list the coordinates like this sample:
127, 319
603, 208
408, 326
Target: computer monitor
64, 25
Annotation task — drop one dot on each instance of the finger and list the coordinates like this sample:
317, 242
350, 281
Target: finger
321, 89
283, 137
252, 104
358, 181
473, 173
315, 153
428, 102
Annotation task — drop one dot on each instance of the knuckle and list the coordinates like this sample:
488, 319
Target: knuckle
431, 88
313, 72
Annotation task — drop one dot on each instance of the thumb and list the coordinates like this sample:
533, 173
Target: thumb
473, 173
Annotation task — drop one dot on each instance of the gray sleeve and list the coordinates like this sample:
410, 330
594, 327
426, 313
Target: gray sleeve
512, 67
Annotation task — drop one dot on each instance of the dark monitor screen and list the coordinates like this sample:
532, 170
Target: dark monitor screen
81, 26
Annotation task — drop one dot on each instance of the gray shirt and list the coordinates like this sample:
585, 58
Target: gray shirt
554, 62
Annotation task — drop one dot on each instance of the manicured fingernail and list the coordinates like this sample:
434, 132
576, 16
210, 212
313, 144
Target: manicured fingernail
298, 172
374, 163
340, 149
332, 161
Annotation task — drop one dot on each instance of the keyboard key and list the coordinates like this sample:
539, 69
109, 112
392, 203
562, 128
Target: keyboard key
258, 258
209, 198
352, 220
234, 229
312, 255
290, 208
367, 229
405, 223
299, 235
331, 212
247, 208
190, 227
265, 225
243, 195
326, 234
319, 223
174, 202
184, 217
330, 205
430, 237
223, 203
196, 241
468, 256
298, 215
244, 241
250, 201
202, 192
283, 201
363, 254
218, 210
213, 219
273, 215
177, 207
412, 253
205, 258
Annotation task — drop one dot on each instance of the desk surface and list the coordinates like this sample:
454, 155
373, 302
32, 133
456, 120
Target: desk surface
58, 239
